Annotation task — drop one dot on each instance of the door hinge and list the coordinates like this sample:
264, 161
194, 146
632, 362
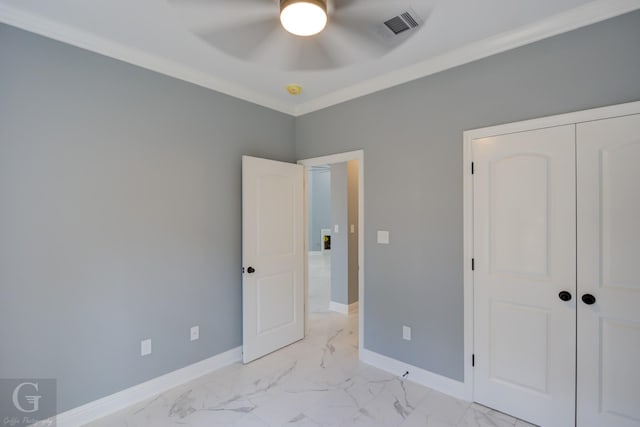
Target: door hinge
473, 360
472, 168
473, 264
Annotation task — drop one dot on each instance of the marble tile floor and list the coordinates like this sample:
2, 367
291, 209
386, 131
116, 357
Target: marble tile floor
319, 281
317, 381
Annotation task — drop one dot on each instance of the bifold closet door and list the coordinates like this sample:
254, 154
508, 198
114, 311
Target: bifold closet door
608, 159
525, 274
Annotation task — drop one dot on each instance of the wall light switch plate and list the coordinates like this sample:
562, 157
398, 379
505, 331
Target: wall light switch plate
406, 333
336, 228
353, 228
195, 332
145, 347
383, 237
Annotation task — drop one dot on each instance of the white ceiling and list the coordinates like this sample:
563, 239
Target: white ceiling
167, 36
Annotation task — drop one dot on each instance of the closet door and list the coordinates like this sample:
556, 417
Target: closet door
524, 251
608, 159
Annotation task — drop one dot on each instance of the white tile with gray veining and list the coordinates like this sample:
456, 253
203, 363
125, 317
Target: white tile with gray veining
318, 381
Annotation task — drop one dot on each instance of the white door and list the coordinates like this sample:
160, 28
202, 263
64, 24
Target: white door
608, 158
524, 252
272, 253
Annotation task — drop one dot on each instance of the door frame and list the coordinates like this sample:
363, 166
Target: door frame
330, 159
467, 179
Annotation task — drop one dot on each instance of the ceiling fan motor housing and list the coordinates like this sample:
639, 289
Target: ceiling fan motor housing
320, 3
303, 17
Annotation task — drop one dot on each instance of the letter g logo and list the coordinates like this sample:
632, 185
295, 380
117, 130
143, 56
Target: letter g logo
33, 400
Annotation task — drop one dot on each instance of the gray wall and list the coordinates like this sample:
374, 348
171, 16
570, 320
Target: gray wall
412, 141
352, 215
319, 205
120, 199
344, 244
120, 216
339, 240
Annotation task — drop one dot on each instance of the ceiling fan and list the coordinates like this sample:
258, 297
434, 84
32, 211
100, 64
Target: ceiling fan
348, 31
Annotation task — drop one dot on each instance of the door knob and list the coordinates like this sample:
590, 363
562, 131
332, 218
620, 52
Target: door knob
251, 270
588, 299
565, 296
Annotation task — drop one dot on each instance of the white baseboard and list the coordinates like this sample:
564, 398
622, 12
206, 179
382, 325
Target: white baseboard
138, 393
338, 307
421, 376
343, 308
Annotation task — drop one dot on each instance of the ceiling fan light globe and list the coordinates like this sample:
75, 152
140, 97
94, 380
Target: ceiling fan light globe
303, 17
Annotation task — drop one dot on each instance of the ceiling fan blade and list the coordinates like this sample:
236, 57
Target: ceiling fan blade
274, 49
359, 36
376, 11
315, 54
346, 4
241, 40
284, 51
198, 14
243, 3
351, 37
250, 30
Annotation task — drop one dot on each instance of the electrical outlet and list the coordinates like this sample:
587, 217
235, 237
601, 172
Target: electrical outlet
406, 333
145, 347
195, 332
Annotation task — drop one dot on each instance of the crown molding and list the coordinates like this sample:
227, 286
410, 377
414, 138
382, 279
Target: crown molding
581, 16
88, 41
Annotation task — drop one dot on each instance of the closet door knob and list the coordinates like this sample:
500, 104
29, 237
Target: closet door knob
565, 296
251, 270
588, 299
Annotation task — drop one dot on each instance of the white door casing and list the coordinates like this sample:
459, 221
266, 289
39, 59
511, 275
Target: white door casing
608, 191
339, 158
273, 246
524, 250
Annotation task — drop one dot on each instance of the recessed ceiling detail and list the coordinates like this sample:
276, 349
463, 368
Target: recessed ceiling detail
251, 31
253, 58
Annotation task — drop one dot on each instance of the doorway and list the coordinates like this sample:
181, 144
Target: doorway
319, 234
345, 258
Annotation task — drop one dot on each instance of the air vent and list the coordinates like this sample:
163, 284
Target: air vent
403, 22
409, 19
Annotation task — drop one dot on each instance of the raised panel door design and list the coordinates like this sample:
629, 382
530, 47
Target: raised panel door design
620, 190
273, 245
524, 249
608, 387
276, 231
519, 206
278, 290
619, 394
519, 346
